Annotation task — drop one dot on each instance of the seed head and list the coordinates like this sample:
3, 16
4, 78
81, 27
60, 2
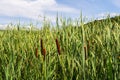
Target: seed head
58, 46
41, 41
44, 53
43, 50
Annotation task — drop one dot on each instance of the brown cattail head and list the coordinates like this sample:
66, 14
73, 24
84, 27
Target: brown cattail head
44, 53
43, 50
41, 46
85, 50
58, 46
36, 52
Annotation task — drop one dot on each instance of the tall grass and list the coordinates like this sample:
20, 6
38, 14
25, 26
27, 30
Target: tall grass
83, 52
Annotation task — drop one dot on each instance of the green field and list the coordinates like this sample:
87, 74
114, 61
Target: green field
66, 52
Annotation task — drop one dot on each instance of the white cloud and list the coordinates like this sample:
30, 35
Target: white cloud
3, 27
105, 14
32, 8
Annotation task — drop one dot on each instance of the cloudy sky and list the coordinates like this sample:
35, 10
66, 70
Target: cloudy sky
27, 11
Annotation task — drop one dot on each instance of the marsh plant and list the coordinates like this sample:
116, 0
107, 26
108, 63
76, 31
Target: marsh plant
82, 52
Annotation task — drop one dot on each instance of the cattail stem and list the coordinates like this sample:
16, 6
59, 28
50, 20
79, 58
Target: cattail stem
58, 46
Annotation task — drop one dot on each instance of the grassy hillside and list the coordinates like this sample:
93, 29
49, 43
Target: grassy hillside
89, 52
113, 20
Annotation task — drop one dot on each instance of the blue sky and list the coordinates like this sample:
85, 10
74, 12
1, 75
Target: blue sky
26, 11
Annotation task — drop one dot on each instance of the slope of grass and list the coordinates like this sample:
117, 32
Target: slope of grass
89, 52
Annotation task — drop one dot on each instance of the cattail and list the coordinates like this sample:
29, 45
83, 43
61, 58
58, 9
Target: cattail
44, 53
42, 47
85, 50
36, 52
88, 47
58, 46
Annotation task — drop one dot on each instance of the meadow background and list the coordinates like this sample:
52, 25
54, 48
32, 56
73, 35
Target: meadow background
71, 50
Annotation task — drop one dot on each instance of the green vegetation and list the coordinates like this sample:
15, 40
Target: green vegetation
86, 52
